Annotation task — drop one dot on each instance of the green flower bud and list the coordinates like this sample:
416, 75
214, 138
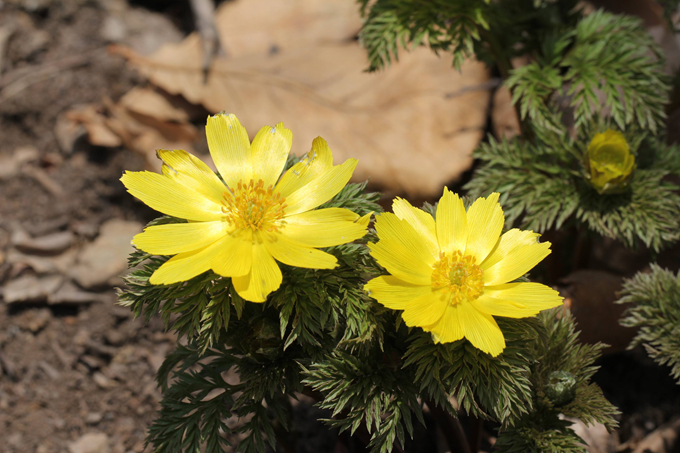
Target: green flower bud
561, 388
609, 162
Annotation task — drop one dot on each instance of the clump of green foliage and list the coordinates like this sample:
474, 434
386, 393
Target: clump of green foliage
583, 74
322, 336
655, 312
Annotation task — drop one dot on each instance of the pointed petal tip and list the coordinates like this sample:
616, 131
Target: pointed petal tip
364, 220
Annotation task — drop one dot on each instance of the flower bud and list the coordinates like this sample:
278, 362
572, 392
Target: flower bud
609, 162
561, 388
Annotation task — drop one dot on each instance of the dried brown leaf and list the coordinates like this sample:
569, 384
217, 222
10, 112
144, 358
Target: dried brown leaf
412, 127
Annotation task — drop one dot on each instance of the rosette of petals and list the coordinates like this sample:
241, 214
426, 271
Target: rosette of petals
452, 274
609, 162
242, 224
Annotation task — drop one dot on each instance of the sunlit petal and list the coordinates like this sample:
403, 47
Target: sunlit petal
325, 227
169, 197
394, 293
481, 329
294, 254
451, 224
426, 309
317, 161
191, 172
235, 257
229, 147
320, 189
485, 223
264, 276
517, 300
270, 150
179, 237
420, 220
516, 263
185, 266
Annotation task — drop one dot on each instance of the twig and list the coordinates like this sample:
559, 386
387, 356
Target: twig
17, 81
39, 175
204, 13
7, 367
6, 33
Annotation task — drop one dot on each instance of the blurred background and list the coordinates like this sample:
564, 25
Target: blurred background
90, 88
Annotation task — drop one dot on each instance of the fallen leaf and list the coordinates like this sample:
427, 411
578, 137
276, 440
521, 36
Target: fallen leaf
665, 439
99, 134
248, 27
412, 127
157, 104
127, 124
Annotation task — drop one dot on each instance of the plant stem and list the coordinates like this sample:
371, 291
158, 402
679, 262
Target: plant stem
475, 438
451, 427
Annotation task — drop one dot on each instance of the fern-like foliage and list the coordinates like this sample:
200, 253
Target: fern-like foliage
490, 388
655, 312
368, 390
542, 429
493, 32
543, 185
607, 64
443, 25
266, 345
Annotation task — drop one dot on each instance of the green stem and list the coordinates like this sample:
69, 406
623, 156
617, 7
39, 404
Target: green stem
451, 428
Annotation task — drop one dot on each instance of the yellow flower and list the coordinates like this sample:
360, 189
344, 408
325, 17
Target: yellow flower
450, 275
240, 226
609, 162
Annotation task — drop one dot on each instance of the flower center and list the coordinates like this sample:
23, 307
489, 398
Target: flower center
458, 274
252, 206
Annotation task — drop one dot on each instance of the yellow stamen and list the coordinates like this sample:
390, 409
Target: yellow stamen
459, 275
252, 206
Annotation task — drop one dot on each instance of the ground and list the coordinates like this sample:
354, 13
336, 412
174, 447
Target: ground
77, 371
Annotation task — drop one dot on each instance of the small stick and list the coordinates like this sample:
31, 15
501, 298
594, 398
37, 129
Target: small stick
204, 13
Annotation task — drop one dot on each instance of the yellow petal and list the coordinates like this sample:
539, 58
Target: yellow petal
179, 237
510, 240
294, 254
229, 147
485, 223
390, 227
167, 196
235, 257
517, 300
317, 161
452, 224
325, 227
264, 277
394, 293
481, 329
270, 151
402, 251
420, 220
447, 329
516, 263
189, 171
185, 266
426, 309
320, 189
